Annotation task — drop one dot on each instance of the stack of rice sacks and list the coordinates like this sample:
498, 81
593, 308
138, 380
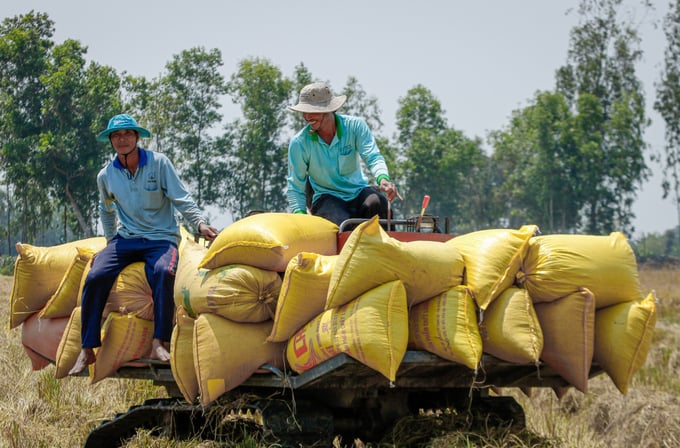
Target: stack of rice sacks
226, 296
45, 301
559, 300
273, 289
564, 300
358, 302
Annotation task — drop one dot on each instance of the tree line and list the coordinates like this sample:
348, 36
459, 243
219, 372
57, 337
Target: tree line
572, 160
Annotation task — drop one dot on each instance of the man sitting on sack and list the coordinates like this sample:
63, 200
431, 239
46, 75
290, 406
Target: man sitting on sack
139, 194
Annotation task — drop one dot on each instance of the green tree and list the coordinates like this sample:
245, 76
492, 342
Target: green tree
191, 91
25, 45
668, 105
454, 171
536, 161
79, 102
658, 246
360, 104
441, 162
419, 109
601, 66
256, 150
51, 108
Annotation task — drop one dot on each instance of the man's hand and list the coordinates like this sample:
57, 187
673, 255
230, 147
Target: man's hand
389, 189
209, 232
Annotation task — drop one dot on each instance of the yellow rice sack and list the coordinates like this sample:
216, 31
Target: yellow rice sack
237, 292
182, 355
186, 238
446, 325
190, 252
303, 293
373, 329
190, 255
371, 257
38, 361
558, 265
41, 337
510, 329
38, 271
69, 345
131, 293
65, 299
492, 259
227, 353
79, 296
568, 326
270, 240
623, 336
125, 337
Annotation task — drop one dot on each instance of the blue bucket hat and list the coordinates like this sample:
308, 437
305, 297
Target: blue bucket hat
120, 122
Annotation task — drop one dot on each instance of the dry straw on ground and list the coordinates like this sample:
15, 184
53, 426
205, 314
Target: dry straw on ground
38, 411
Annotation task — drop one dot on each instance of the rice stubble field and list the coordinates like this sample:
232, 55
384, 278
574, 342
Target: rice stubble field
36, 410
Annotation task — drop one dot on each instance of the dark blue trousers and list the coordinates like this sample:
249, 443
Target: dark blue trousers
160, 259
367, 204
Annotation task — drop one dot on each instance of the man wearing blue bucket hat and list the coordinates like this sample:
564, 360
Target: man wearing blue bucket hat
139, 194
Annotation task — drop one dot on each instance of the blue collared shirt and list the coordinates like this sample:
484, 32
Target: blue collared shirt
333, 169
144, 205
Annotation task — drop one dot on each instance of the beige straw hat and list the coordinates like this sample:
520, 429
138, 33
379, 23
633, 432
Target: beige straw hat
318, 98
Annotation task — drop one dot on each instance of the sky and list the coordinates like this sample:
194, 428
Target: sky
481, 59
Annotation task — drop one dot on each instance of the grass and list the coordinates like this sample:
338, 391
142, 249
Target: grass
39, 411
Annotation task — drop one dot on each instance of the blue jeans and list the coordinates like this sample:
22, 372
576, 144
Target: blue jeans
160, 257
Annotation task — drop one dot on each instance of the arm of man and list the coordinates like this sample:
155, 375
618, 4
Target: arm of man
298, 170
184, 203
107, 208
370, 153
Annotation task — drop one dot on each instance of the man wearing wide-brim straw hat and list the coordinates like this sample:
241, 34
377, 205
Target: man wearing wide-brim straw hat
327, 154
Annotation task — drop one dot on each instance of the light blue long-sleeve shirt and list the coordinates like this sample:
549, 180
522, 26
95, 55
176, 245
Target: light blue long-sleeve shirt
333, 169
144, 205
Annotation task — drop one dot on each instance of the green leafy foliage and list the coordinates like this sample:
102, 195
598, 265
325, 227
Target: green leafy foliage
668, 105
256, 153
537, 162
572, 160
601, 86
191, 90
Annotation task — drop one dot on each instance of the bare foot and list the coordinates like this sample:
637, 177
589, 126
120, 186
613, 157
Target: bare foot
85, 358
158, 351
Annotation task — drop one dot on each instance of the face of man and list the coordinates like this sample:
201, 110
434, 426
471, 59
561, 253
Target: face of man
316, 120
124, 141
